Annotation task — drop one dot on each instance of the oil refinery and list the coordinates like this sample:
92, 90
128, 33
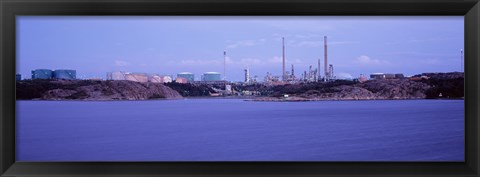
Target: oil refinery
310, 74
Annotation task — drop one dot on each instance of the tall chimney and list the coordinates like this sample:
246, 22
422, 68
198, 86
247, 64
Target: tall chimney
318, 72
283, 59
224, 65
326, 62
293, 74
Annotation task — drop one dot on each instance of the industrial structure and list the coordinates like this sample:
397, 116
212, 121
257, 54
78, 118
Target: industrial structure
42, 74
362, 78
181, 80
187, 75
328, 68
211, 76
18, 77
65, 74
318, 72
283, 59
386, 76
224, 65
155, 78
138, 77
54, 74
247, 75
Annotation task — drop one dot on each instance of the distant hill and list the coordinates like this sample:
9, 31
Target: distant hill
434, 86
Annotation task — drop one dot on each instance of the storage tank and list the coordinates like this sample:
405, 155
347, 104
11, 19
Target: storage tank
181, 80
156, 79
65, 74
137, 77
167, 79
189, 76
211, 76
389, 76
41, 74
117, 75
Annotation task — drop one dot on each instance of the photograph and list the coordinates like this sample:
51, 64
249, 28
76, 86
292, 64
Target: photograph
240, 88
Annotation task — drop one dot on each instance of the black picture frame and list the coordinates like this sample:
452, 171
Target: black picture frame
470, 9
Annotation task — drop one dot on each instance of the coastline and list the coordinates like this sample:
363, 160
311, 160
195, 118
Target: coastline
244, 98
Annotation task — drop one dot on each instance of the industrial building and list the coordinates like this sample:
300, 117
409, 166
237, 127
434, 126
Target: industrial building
64, 74
167, 79
18, 77
137, 77
181, 80
117, 75
187, 75
385, 76
120, 75
211, 76
54, 74
42, 74
155, 78
362, 78
310, 75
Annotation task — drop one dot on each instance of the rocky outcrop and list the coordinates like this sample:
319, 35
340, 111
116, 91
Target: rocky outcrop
93, 90
396, 88
370, 90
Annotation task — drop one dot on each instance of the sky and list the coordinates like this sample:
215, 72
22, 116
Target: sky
167, 45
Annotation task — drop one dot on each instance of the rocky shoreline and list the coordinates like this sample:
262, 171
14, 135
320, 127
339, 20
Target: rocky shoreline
434, 86
92, 90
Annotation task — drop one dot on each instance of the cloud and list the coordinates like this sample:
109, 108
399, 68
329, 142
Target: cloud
201, 62
121, 63
277, 59
246, 43
310, 43
250, 61
369, 61
343, 42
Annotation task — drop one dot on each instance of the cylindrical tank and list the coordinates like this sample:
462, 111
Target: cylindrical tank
189, 76
181, 80
42, 74
211, 76
156, 79
117, 75
167, 79
137, 77
65, 74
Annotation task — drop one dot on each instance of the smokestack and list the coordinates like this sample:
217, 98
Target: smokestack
247, 75
326, 62
318, 72
283, 59
224, 65
293, 74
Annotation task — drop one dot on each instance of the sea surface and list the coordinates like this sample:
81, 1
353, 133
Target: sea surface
238, 130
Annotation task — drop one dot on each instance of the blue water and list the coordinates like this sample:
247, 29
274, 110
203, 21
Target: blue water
237, 130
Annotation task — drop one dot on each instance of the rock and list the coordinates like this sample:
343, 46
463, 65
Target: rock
96, 90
